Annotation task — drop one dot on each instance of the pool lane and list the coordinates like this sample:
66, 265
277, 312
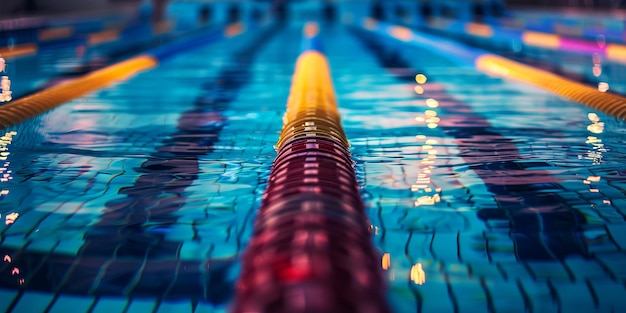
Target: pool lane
191, 259
480, 265
39, 102
159, 192
511, 178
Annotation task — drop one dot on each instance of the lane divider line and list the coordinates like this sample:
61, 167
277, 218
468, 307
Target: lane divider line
311, 248
606, 102
495, 65
30, 106
19, 50
46, 37
612, 51
27, 107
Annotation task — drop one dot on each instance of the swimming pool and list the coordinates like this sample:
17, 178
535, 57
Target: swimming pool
484, 194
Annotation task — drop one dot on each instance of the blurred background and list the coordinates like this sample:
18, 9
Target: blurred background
13, 8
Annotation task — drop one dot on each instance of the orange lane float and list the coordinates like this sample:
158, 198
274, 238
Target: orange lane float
311, 249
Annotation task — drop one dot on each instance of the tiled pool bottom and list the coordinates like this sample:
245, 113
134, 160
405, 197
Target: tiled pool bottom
187, 260
183, 206
489, 207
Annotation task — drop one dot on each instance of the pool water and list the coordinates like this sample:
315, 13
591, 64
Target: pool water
484, 195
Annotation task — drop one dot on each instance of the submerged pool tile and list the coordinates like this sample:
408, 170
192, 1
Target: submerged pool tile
445, 247
419, 245
69, 246
156, 277
540, 297
505, 296
611, 295
118, 276
67, 303
110, 305
470, 296
32, 301
13, 241
620, 205
82, 274
599, 242
401, 300
575, 297
180, 232
26, 223
611, 215
618, 234
204, 307
485, 270
194, 250
473, 248
175, 307
190, 280
44, 245
141, 306
614, 262
548, 270
50, 224
7, 297
435, 297
501, 248
513, 270
225, 250
586, 269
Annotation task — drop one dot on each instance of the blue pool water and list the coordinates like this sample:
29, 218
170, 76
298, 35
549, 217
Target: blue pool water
484, 195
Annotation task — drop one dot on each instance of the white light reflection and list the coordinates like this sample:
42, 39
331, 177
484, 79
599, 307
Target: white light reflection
597, 147
5, 84
11, 217
427, 192
597, 64
5, 173
421, 79
418, 276
596, 126
596, 152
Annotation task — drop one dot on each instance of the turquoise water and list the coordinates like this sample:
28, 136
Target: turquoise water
484, 195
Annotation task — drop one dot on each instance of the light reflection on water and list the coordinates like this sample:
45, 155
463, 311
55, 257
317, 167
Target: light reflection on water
521, 172
461, 176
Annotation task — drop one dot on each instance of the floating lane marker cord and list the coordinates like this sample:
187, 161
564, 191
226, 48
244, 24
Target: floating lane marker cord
612, 51
30, 106
311, 249
43, 37
499, 66
27, 107
55, 33
592, 97
18, 50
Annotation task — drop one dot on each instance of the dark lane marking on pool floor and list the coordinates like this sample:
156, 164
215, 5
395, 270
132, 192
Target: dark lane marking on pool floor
543, 225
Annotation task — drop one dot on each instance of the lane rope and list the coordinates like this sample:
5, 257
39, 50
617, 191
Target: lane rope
311, 249
30, 106
495, 65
